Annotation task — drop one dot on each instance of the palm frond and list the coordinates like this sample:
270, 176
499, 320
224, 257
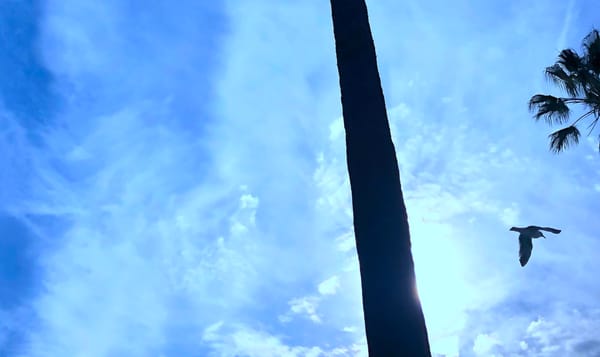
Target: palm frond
592, 125
583, 116
578, 74
566, 81
570, 60
554, 109
563, 138
591, 45
592, 100
592, 88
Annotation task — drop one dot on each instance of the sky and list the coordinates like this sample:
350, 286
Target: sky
173, 179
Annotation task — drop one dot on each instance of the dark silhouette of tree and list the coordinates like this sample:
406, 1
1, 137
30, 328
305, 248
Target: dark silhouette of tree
579, 76
394, 321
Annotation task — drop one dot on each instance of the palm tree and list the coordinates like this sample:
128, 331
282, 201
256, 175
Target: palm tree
579, 76
394, 321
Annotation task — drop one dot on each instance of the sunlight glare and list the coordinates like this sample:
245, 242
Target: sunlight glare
444, 294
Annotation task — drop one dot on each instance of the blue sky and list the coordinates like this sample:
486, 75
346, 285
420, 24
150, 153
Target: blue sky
173, 179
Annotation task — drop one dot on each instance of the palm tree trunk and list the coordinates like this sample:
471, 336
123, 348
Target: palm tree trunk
394, 321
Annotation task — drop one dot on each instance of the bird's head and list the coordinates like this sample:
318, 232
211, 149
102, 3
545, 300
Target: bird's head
542, 234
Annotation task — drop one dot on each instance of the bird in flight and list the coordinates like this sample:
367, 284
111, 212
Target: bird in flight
526, 235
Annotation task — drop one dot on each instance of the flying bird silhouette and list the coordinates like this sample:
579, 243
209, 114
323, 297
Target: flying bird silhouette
526, 236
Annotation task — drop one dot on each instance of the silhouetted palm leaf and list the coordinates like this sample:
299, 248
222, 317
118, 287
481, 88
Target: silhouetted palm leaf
563, 138
552, 108
579, 76
558, 76
570, 60
581, 79
591, 45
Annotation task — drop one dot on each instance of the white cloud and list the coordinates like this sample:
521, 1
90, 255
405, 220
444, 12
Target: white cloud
346, 242
244, 341
306, 306
484, 344
184, 201
329, 286
228, 340
336, 129
510, 215
245, 217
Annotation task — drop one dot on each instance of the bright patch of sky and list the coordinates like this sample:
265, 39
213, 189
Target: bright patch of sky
173, 180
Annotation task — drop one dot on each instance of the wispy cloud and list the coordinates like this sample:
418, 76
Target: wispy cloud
190, 195
236, 340
567, 23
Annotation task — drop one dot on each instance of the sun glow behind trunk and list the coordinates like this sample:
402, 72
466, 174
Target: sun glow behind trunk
444, 294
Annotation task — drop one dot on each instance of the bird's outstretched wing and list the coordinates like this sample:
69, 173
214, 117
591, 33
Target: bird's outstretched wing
549, 229
525, 248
